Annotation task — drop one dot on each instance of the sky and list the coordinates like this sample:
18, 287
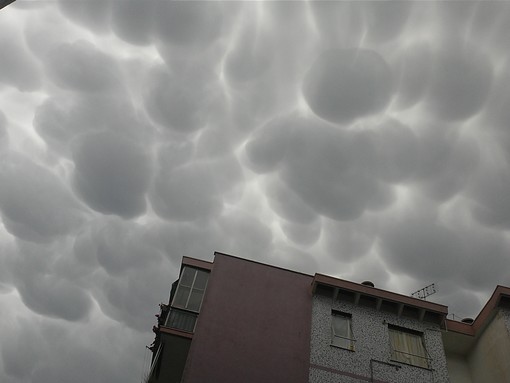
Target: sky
363, 140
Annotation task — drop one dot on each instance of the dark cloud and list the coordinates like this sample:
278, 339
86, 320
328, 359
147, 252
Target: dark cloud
339, 23
384, 22
355, 240
266, 147
446, 160
302, 234
287, 204
461, 82
35, 204
413, 68
133, 21
112, 173
181, 104
332, 171
490, 193
361, 140
41, 288
188, 25
96, 17
193, 191
80, 66
419, 244
4, 138
19, 69
346, 84
60, 119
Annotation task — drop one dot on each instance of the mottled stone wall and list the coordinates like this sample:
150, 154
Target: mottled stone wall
370, 329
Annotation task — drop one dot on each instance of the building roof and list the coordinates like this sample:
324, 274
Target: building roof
383, 300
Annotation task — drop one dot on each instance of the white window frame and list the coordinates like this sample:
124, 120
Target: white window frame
192, 288
345, 339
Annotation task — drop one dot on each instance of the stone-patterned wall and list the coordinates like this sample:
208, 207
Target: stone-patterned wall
370, 329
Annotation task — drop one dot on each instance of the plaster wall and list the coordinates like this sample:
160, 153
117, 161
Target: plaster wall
489, 358
254, 325
330, 364
458, 369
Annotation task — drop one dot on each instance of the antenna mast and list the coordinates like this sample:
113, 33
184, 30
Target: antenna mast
425, 292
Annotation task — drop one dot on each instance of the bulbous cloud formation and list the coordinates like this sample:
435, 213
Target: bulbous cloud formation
346, 84
358, 139
111, 173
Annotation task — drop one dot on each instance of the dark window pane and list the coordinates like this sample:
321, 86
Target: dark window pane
182, 320
181, 297
201, 280
195, 300
187, 277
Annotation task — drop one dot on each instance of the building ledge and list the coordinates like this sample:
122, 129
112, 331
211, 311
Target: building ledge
171, 331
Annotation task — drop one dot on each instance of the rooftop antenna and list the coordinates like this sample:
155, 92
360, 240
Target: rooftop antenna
425, 292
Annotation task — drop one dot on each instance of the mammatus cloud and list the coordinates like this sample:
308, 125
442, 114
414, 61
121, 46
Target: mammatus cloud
362, 140
343, 85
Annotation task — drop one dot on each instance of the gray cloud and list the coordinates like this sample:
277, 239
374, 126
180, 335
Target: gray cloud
19, 69
343, 85
36, 206
361, 140
132, 21
81, 67
189, 25
194, 191
60, 119
112, 173
460, 84
181, 104
4, 138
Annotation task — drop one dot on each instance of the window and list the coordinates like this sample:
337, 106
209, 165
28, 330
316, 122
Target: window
191, 288
408, 346
182, 320
341, 330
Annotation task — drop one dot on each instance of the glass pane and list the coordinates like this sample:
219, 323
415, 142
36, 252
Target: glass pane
201, 280
181, 296
341, 326
182, 320
187, 277
195, 300
342, 342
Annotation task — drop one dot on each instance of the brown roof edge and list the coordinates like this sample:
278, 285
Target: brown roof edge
5, 3
379, 293
193, 262
261, 263
484, 315
460, 327
171, 331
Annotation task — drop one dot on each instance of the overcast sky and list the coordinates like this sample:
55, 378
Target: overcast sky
360, 140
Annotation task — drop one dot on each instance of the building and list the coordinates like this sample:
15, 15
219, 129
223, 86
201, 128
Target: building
235, 320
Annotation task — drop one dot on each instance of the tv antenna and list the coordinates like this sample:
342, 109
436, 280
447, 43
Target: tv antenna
425, 292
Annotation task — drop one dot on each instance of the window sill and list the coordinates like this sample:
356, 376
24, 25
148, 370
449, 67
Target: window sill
412, 365
343, 348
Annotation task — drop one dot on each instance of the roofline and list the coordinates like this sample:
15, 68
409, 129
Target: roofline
194, 262
5, 3
261, 263
379, 293
483, 316
451, 325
